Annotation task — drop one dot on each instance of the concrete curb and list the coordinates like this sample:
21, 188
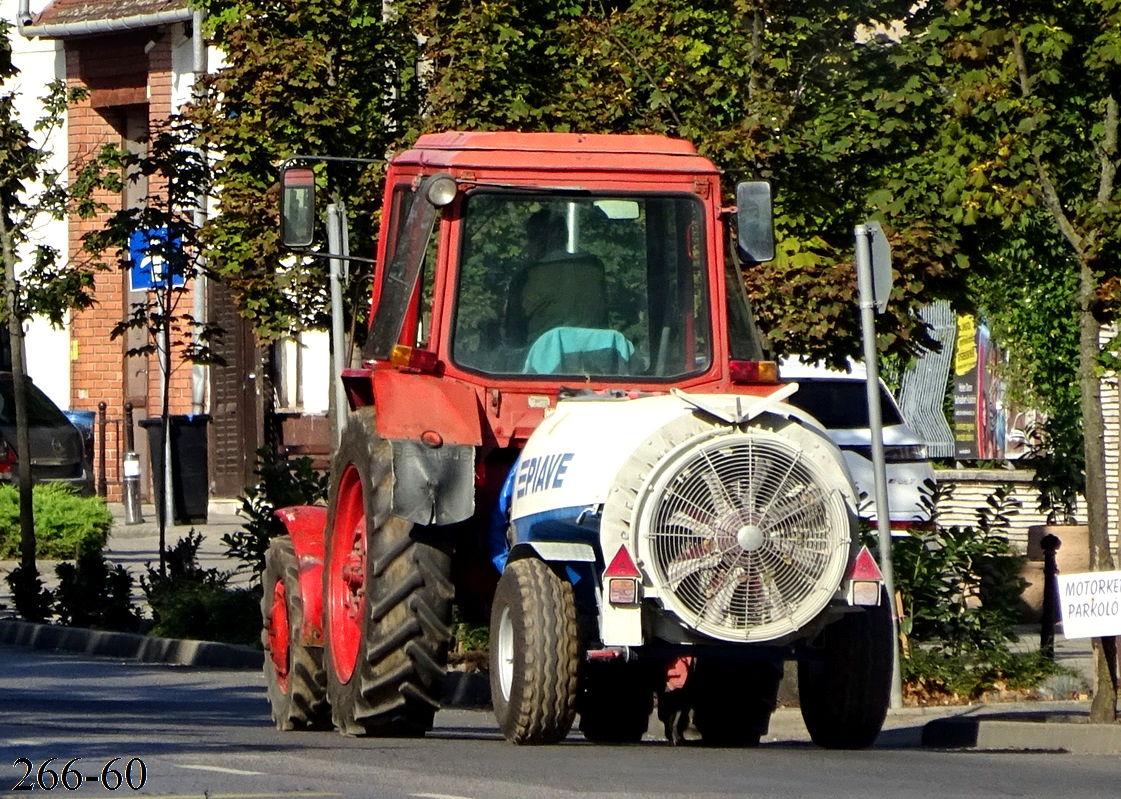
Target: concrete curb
1024, 731
464, 690
131, 646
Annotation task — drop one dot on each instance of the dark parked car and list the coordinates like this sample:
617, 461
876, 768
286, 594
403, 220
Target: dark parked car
58, 453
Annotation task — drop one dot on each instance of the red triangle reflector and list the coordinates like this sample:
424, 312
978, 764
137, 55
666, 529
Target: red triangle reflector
622, 565
865, 567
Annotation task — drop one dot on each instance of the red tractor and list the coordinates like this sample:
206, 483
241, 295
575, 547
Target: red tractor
564, 417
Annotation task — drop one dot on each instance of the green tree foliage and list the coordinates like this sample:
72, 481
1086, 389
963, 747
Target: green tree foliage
308, 77
960, 590
1028, 290
1028, 94
32, 192
807, 98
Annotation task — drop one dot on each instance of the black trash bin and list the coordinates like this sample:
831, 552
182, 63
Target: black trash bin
190, 477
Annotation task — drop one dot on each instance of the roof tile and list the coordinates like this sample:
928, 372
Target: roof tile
67, 11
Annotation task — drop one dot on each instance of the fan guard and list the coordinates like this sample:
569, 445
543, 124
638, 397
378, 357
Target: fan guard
747, 535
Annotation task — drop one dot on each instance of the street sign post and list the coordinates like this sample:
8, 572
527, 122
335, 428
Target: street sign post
873, 280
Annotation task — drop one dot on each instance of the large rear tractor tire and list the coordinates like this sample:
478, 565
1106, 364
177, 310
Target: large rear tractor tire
845, 692
294, 676
615, 702
386, 595
534, 654
734, 700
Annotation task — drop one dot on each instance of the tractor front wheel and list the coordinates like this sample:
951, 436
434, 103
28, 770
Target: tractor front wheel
387, 597
294, 676
534, 654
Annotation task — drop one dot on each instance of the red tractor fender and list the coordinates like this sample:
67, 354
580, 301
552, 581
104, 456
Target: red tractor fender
413, 405
307, 526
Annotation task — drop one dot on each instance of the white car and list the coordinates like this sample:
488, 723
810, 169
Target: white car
838, 400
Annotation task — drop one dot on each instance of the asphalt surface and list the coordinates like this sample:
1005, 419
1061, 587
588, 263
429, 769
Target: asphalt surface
1057, 722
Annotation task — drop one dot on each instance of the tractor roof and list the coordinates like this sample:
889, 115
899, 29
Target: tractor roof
556, 151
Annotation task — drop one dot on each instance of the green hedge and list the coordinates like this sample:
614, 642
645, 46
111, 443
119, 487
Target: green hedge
66, 524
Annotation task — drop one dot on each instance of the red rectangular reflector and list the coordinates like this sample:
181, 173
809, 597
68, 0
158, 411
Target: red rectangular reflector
752, 372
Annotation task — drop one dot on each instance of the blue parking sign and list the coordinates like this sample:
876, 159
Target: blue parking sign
147, 249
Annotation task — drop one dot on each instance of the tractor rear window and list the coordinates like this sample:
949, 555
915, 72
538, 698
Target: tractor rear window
582, 285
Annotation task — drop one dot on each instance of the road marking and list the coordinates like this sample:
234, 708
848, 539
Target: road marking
236, 795
221, 770
439, 796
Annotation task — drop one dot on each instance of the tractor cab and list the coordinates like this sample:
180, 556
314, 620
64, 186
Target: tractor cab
595, 262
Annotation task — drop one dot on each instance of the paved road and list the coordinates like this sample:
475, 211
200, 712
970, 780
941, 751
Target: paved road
204, 733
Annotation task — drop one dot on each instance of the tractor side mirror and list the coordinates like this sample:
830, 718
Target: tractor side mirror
755, 226
297, 207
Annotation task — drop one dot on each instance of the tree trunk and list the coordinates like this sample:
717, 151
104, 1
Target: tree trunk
19, 389
1104, 706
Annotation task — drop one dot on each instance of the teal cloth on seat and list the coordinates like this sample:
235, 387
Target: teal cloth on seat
579, 350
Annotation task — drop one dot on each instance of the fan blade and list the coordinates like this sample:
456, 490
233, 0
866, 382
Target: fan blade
690, 561
718, 607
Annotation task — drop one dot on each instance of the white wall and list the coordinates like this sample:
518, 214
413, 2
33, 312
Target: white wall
40, 62
306, 359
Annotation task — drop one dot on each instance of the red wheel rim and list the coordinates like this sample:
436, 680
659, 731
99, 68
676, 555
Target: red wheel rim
278, 635
346, 581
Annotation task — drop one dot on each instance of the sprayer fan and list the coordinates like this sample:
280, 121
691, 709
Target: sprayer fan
747, 535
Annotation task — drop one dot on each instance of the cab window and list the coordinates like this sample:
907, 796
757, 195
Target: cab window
610, 286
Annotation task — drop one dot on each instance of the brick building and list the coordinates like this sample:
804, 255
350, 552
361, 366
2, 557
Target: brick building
138, 60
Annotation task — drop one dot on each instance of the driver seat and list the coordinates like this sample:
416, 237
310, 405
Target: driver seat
565, 291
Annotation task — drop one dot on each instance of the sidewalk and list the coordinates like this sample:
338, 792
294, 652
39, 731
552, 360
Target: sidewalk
1059, 722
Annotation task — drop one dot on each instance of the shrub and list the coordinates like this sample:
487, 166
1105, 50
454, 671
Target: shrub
66, 524
960, 588
91, 594
191, 602
961, 585
32, 600
282, 483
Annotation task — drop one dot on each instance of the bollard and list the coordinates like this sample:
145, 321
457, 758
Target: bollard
131, 483
102, 481
1050, 544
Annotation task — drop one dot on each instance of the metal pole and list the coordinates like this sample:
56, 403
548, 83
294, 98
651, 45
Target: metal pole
875, 424
166, 511
199, 372
336, 233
